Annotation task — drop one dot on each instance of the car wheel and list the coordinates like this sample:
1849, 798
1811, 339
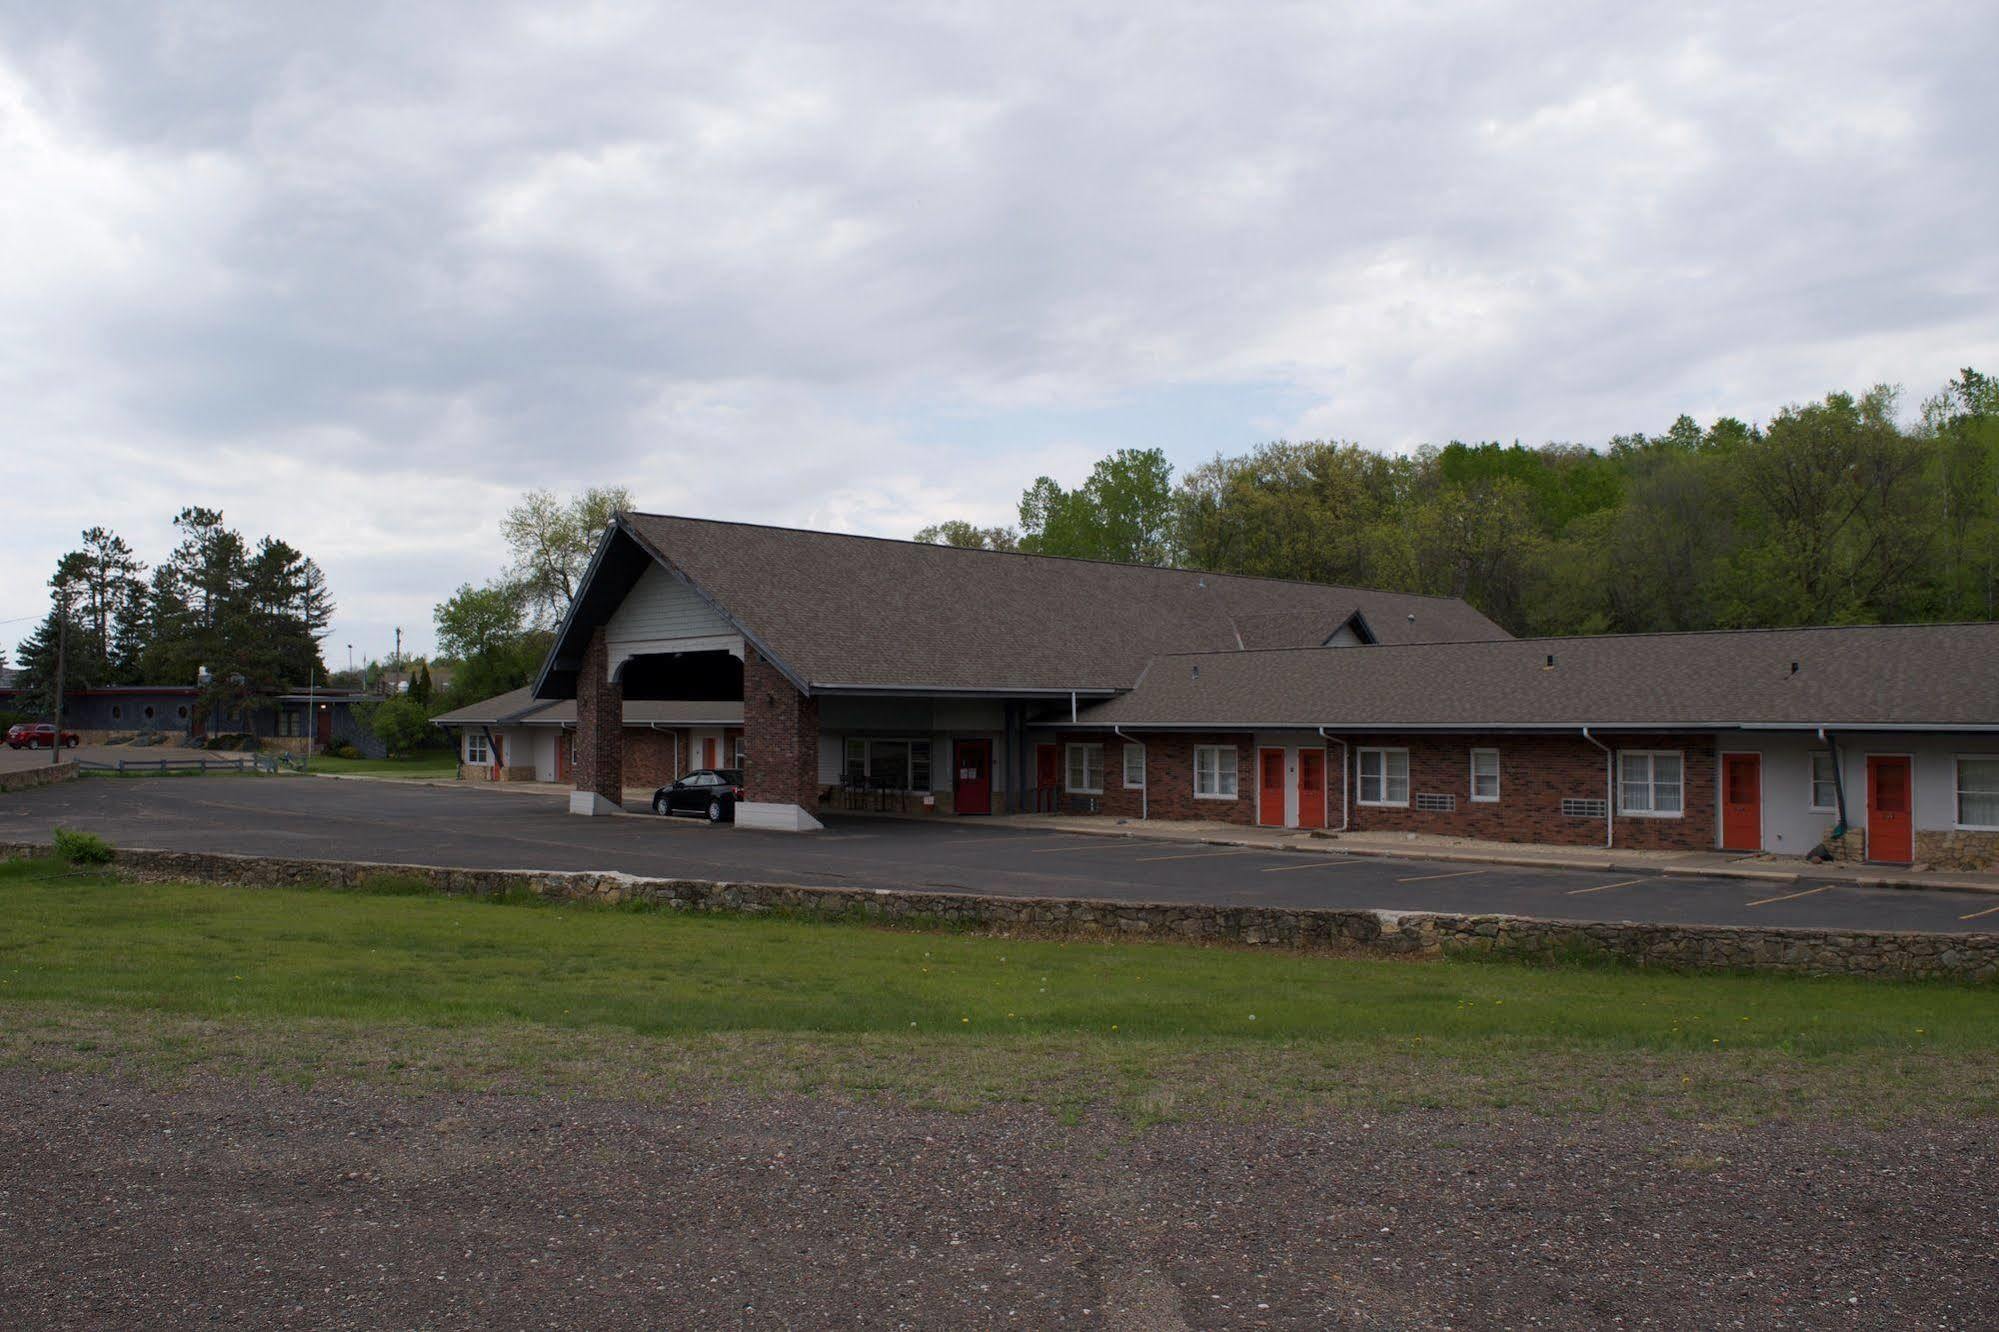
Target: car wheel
660, 805
72, 742
715, 811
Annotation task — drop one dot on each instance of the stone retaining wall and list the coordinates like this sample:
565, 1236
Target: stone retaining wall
42, 774
1886, 954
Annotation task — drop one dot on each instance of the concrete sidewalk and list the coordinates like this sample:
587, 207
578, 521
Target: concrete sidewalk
1419, 846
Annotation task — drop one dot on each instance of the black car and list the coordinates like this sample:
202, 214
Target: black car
710, 792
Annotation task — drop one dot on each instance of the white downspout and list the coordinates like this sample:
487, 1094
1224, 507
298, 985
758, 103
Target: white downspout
1144, 757
1344, 784
1609, 791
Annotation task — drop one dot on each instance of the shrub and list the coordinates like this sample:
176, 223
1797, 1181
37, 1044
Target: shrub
346, 751
402, 724
82, 848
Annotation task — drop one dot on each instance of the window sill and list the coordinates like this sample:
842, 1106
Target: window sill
1648, 814
1382, 804
1975, 827
1082, 790
1483, 800
1199, 796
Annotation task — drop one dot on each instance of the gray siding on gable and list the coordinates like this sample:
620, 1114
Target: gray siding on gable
661, 607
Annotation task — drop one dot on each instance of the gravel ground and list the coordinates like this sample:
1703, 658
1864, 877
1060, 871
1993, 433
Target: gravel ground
230, 1204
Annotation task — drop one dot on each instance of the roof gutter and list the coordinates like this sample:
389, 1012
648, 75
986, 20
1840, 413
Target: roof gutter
1345, 786
1144, 791
1609, 791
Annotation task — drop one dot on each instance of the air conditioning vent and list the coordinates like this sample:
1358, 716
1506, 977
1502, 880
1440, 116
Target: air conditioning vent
1435, 803
1585, 809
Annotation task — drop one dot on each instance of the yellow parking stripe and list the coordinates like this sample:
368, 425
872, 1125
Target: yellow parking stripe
1604, 887
1322, 864
1785, 897
1976, 914
1454, 874
1198, 855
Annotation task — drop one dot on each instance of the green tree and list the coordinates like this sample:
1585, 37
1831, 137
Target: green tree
401, 723
969, 536
550, 541
487, 632
1123, 512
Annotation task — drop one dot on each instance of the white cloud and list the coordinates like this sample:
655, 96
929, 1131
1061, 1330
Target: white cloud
360, 273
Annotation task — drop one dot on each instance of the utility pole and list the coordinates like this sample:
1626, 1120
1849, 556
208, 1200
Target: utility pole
399, 649
62, 649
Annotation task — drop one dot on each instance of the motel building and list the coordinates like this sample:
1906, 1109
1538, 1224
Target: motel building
842, 672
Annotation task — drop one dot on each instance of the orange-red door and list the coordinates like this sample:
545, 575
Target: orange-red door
1047, 777
708, 753
1891, 825
1742, 802
1270, 787
972, 790
1311, 788
565, 749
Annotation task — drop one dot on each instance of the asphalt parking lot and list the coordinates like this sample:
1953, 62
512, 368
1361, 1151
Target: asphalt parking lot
376, 821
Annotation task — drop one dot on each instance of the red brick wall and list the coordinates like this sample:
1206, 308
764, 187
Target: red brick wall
600, 724
1169, 775
780, 737
1536, 773
649, 756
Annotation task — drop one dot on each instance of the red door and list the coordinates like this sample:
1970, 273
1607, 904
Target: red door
1270, 787
972, 789
1891, 830
1047, 777
325, 725
565, 748
1311, 788
1742, 802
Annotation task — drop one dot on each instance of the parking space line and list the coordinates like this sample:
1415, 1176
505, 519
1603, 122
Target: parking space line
1103, 844
1454, 874
1323, 864
1976, 914
1604, 887
1785, 897
1198, 855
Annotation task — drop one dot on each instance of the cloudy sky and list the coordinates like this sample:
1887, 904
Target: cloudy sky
358, 274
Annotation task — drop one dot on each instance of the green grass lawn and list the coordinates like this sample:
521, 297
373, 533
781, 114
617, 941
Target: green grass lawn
522, 988
430, 763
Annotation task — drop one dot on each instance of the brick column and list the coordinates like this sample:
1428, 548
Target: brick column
781, 750
600, 733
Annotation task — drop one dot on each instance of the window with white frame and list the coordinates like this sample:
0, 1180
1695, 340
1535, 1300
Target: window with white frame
1086, 769
1825, 789
1214, 772
1649, 783
1485, 775
857, 759
1134, 767
1384, 776
476, 751
739, 754
1978, 791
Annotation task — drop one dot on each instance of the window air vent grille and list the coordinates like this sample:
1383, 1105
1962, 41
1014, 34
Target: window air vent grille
1585, 809
1435, 803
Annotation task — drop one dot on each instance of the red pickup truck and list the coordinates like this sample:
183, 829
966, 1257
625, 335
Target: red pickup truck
30, 736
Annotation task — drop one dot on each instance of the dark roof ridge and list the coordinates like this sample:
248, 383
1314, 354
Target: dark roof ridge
1589, 638
1033, 555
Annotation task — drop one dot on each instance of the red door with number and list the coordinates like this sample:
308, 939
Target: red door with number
1047, 777
1311, 788
972, 787
1742, 802
1270, 787
1891, 833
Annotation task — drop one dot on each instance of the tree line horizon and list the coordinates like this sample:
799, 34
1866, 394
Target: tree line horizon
1833, 513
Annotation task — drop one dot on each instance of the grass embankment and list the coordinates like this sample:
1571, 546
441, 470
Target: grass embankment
446, 993
430, 764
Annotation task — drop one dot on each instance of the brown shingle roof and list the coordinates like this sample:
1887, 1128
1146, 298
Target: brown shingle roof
868, 611
518, 707
1944, 675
